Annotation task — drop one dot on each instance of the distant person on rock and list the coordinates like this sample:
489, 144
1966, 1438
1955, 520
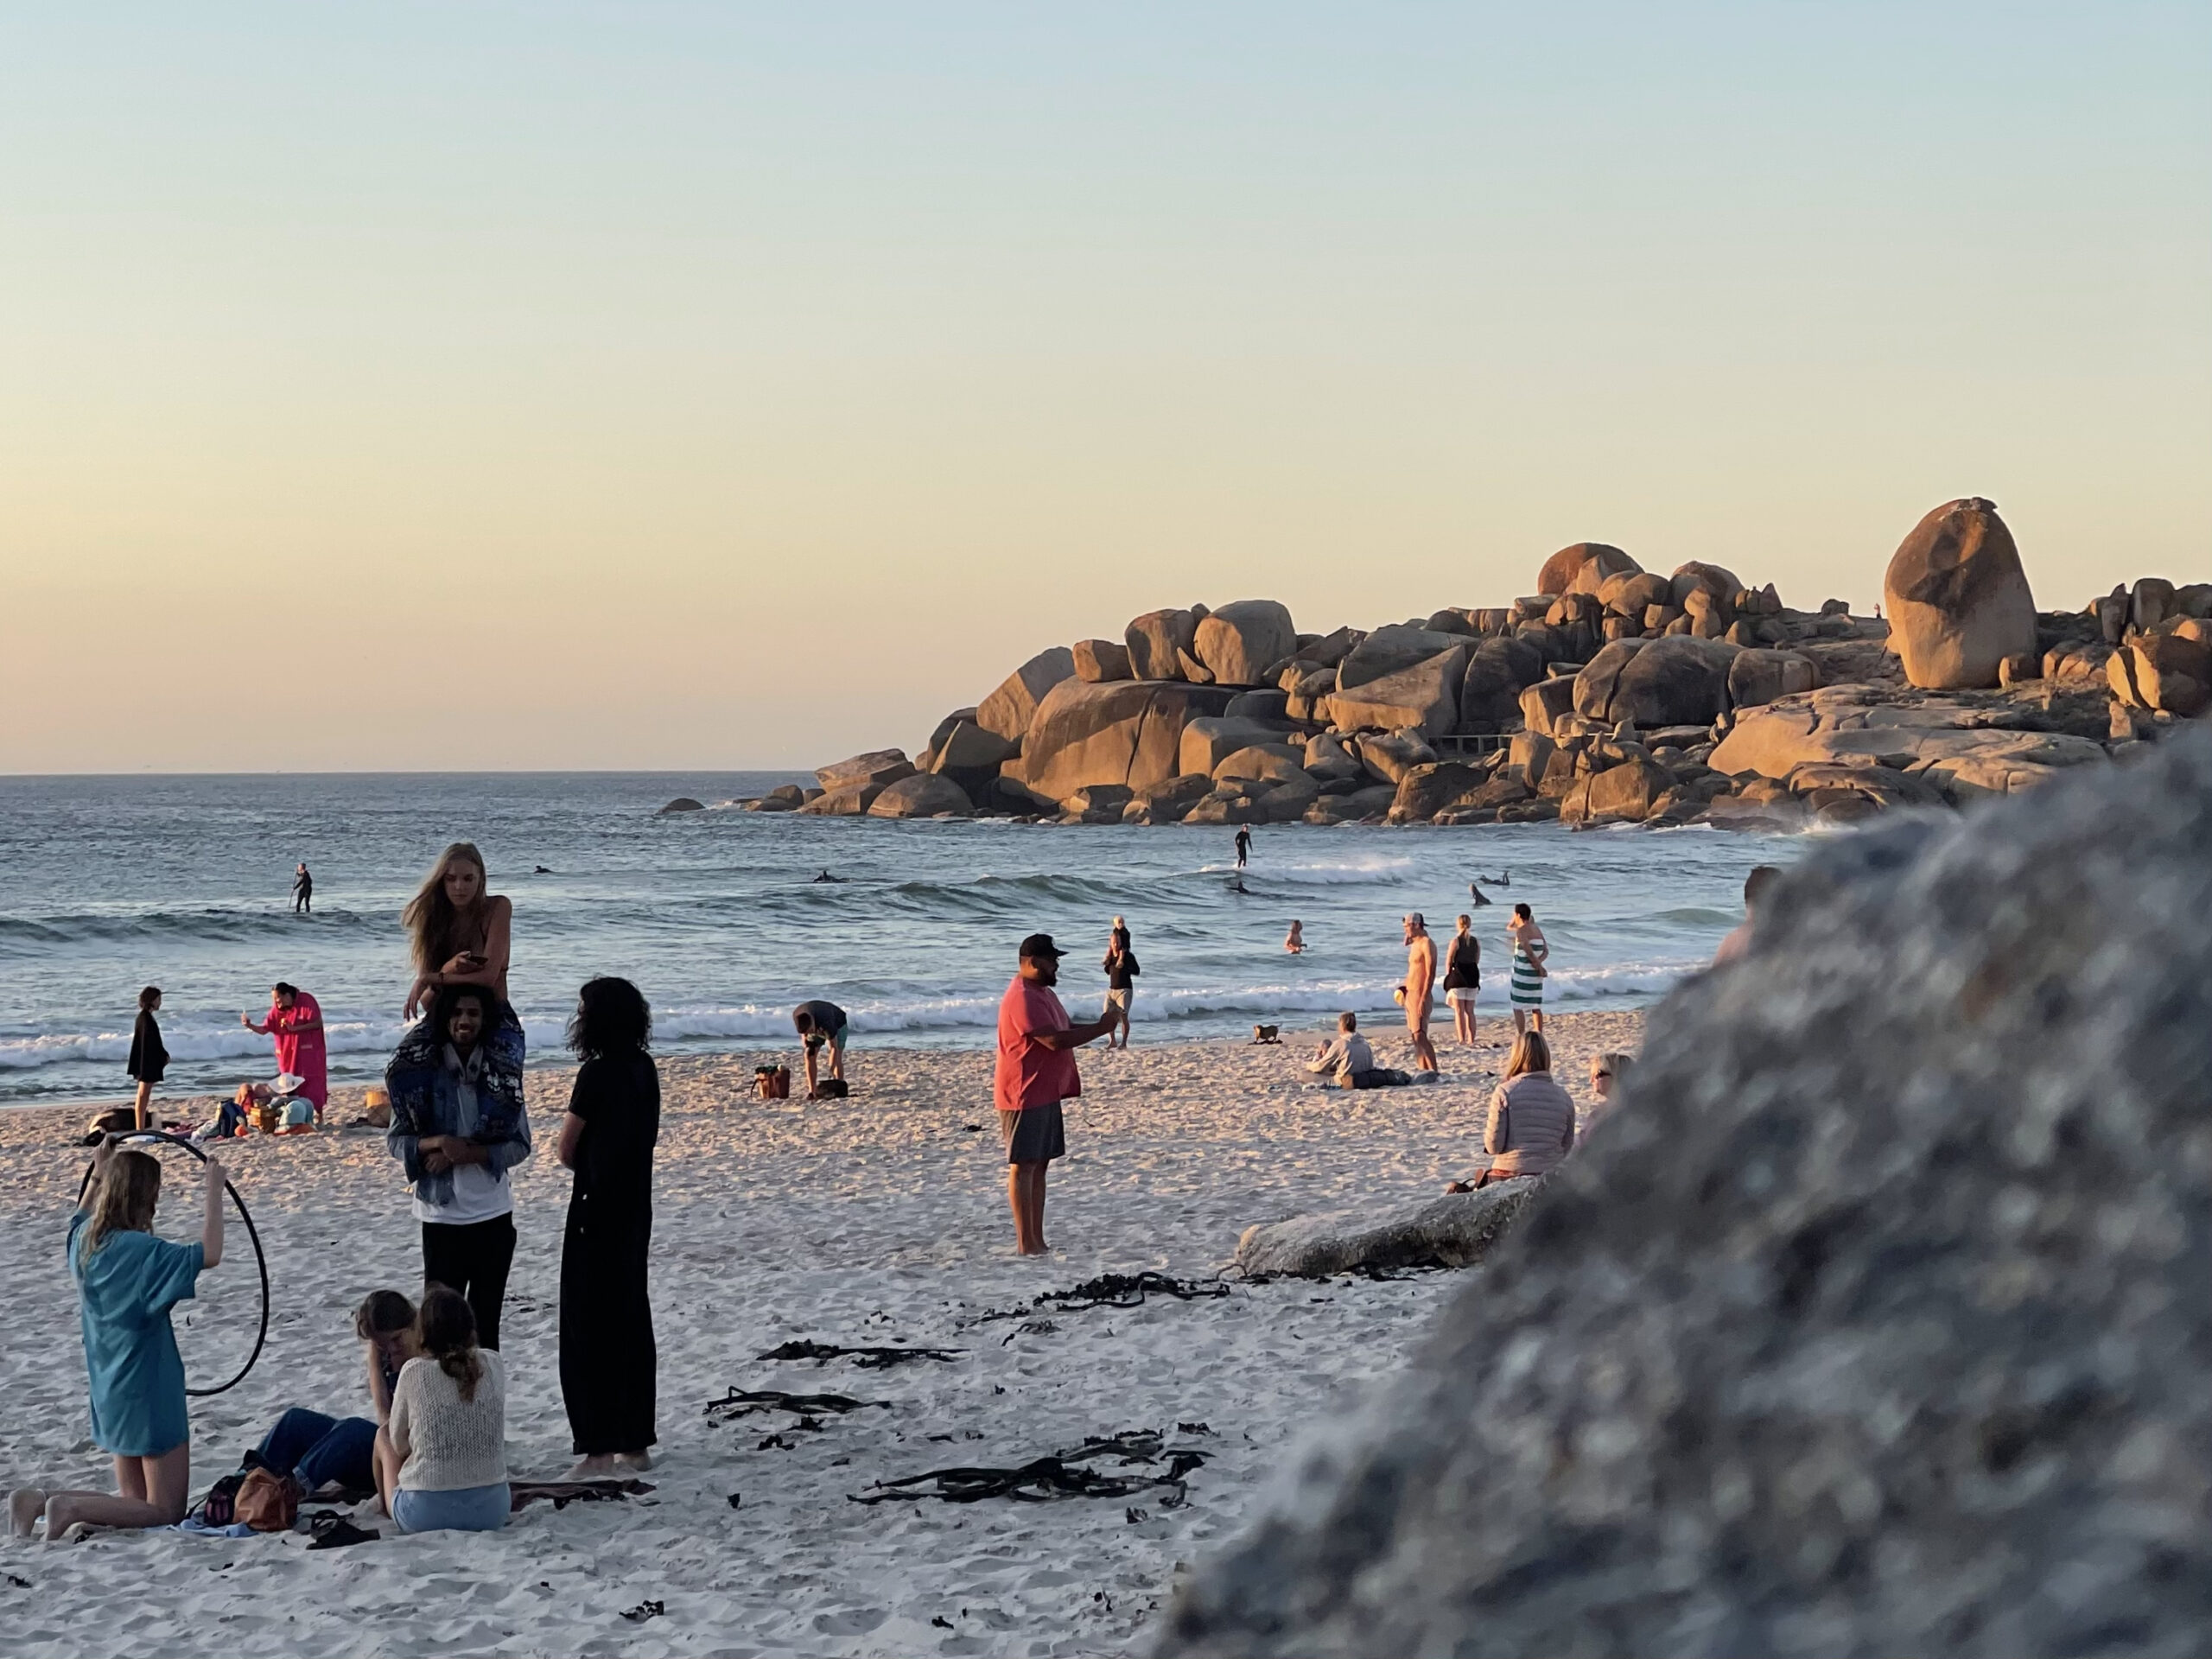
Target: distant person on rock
1035, 1072
1294, 941
1122, 971
302, 892
1531, 1118
1462, 977
820, 1025
1739, 940
1243, 845
295, 1018
1531, 950
1420, 990
148, 1057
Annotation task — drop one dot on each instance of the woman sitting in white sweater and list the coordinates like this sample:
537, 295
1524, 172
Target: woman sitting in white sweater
441, 1460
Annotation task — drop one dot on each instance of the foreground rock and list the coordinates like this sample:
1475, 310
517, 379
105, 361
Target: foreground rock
683, 803
1456, 1230
1959, 604
1873, 1321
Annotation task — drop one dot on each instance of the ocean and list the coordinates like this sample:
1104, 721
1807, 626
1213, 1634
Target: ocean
110, 883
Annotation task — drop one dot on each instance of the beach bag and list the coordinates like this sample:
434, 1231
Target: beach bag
267, 1501
377, 1108
117, 1120
265, 1116
830, 1088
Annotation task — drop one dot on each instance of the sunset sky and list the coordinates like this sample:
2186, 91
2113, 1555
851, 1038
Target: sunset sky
431, 387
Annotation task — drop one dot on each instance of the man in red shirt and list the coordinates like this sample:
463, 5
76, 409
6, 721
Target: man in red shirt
296, 1020
1036, 1071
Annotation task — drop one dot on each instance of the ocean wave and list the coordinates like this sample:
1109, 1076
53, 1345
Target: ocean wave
186, 1043
38, 936
1322, 872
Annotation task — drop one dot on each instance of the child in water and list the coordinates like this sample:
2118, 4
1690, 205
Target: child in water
127, 1280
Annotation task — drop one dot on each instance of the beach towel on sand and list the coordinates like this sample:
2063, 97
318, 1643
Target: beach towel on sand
425, 1100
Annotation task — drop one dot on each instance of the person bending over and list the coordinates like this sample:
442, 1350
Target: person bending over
458, 1126
442, 1460
1531, 1118
127, 1281
318, 1451
820, 1025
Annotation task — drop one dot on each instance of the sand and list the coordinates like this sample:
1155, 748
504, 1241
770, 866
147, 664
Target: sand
877, 1220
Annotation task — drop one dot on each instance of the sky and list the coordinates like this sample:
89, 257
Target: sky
423, 387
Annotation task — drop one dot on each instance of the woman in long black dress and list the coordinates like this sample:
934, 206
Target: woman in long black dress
148, 1057
608, 1360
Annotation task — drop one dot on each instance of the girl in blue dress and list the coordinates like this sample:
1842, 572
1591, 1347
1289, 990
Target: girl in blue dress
127, 1280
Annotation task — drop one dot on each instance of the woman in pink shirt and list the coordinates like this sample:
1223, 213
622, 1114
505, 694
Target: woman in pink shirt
296, 1021
1036, 1070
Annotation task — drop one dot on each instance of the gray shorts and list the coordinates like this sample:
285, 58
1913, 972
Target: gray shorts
1036, 1134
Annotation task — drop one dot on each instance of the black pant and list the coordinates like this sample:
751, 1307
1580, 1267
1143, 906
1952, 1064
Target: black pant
302, 901
472, 1259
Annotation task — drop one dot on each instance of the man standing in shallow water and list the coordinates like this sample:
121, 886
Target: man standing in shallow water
1036, 1070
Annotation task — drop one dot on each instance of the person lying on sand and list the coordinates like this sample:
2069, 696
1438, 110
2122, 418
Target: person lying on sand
128, 1279
318, 1451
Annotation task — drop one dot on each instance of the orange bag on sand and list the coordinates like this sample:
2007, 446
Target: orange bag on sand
772, 1082
267, 1501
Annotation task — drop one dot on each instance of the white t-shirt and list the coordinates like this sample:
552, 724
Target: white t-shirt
479, 1192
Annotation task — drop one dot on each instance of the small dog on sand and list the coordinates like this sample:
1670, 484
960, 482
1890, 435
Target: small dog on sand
1266, 1033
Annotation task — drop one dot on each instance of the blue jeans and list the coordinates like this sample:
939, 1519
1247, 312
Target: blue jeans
468, 1509
316, 1450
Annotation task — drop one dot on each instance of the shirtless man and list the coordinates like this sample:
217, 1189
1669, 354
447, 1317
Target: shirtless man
1740, 940
1420, 978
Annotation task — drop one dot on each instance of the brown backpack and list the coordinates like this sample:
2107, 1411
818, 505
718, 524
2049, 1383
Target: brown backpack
267, 1501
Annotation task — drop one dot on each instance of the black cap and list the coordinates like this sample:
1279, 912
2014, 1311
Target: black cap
1040, 944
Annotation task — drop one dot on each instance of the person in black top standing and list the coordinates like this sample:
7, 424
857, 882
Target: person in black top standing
1463, 976
820, 1025
148, 1057
302, 892
607, 1359
1243, 844
1122, 971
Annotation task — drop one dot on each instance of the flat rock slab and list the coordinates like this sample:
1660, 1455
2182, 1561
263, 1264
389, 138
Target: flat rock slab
1455, 1229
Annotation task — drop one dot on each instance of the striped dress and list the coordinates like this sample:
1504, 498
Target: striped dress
1528, 984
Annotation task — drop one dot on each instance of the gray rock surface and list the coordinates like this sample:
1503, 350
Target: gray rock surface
1456, 1229
1872, 1321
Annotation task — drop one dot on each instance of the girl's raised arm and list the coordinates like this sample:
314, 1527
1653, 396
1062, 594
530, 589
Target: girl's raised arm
211, 1224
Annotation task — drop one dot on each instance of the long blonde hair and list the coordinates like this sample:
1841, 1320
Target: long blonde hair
430, 918
124, 1199
1531, 1053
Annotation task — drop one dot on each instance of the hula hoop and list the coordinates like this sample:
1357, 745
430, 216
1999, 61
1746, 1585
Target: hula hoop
260, 1260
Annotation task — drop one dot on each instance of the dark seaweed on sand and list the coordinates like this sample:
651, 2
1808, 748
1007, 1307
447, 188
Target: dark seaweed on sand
867, 1358
744, 1402
1112, 1290
1064, 1475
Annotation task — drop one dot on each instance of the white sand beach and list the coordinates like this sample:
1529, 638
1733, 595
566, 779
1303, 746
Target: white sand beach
878, 1220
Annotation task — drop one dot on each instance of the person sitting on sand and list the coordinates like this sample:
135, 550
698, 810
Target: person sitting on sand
1348, 1058
1606, 1071
1294, 941
441, 1460
128, 1279
318, 1451
1739, 940
1034, 1073
820, 1025
458, 1125
1531, 1118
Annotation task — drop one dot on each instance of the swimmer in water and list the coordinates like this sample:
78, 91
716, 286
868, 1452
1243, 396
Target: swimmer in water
826, 876
1294, 941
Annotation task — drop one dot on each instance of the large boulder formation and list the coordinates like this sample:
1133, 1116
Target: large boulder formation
968, 748
1456, 1230
1564, 569
1241, 641
1680, 680
1426, 694
1100, 660
1121, 732
1158, 641
1718, 582
1871, 1321
1956, 741
1389, 650
1759, 676
1498, 670
1208, 739
1008, 710
925, 795
877, 767
1958, 601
